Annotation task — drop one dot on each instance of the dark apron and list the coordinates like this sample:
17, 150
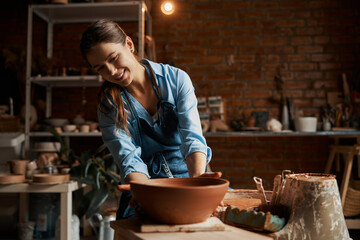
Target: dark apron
160, 164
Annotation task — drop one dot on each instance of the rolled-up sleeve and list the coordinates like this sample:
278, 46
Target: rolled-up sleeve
189, 120
126, 153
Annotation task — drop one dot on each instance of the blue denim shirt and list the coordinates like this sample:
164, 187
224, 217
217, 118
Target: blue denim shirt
132, 154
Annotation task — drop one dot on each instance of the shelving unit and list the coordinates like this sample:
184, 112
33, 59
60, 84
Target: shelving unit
76, 13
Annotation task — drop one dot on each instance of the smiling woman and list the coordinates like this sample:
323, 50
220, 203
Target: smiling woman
147, 111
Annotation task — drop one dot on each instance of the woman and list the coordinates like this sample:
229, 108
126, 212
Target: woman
147, 111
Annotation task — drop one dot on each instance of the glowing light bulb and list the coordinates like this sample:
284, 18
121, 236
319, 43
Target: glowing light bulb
167, 8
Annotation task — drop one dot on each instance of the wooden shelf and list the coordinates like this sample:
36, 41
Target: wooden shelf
88, 12
69, 134
68, 81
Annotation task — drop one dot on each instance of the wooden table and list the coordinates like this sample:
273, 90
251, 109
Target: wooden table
129, 229
65, 190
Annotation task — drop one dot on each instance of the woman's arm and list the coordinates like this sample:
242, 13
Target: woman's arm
196, 164
136, 176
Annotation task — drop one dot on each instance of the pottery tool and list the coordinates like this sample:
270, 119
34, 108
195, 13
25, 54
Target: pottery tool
260, 189
261, 218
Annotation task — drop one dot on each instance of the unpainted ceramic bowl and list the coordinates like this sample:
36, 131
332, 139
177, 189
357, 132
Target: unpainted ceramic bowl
69, 127
11, 178
50, 178
57, 122
179, 200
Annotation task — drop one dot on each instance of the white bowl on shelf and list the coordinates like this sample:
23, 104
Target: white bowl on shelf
57, 122
306, 124
69, 128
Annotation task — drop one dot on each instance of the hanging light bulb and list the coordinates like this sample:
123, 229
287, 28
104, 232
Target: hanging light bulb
167, 7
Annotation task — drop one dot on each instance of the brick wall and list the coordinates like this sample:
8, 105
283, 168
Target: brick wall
241, 158
232, 49
313, 41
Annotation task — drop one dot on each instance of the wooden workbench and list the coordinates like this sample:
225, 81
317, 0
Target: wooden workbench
129, 229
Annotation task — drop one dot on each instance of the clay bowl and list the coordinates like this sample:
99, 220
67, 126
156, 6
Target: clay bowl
11, 178
179, 200
50, 178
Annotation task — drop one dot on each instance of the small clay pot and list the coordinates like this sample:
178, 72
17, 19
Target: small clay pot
18, 166
179, 200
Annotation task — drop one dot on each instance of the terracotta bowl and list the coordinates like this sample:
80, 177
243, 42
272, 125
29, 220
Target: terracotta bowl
179, 200
11, 178
51, 178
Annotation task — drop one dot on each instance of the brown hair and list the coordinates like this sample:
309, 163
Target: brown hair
106, 31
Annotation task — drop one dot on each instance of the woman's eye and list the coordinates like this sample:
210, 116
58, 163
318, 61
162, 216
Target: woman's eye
100, 69
114, 58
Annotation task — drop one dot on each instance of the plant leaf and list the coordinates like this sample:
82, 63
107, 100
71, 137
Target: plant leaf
98, 199
86, 168
97, 179
100, 149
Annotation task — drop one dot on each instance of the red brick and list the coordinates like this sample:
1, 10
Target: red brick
244, 41
248, 76
251, 14
273, 41
302, 102
232, 86
330, 66
280, 14
321, 39
301, 40
236, 5
273, 58
308, 75
258, 94
302, 66
294, 94
291, 23
262, 85
297, 57
323, 4
310, 49
293, 4
220, 14
309, 31
265, 103
239, 103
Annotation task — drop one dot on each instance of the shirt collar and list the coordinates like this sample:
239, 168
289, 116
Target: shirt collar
156, 68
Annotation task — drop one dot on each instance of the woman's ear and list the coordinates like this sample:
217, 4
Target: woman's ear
130, 44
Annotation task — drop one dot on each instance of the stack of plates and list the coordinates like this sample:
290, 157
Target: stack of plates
11, 178
44, 178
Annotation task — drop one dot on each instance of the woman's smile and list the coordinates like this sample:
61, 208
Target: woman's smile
119, 76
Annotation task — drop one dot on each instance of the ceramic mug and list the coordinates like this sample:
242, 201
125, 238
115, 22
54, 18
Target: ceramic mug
18, 166
85, 128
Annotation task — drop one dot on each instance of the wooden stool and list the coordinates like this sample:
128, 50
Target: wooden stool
348, 153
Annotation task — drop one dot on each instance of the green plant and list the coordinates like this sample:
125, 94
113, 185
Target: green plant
97, 169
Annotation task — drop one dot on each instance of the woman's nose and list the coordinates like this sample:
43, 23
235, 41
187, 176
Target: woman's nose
111, 69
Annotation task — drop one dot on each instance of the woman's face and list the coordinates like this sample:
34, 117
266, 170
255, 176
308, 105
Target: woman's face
115, 62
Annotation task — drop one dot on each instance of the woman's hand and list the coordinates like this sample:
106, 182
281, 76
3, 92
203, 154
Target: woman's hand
211, 174
123, 187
